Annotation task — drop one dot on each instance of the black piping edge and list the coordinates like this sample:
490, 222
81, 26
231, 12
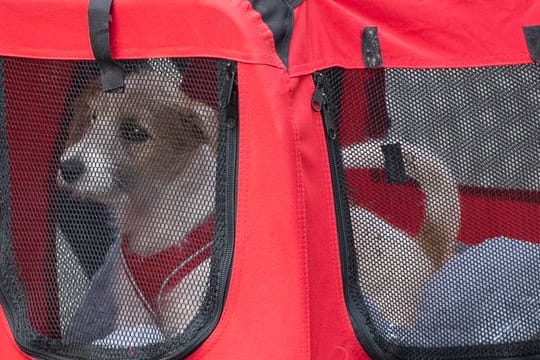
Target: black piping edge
295, 3
279, 17
532, 37
371, 48
112, 75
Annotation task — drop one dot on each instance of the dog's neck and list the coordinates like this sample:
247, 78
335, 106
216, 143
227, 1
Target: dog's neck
162, 216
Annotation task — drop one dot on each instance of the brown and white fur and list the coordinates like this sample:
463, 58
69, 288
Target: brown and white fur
148, 153
393, 267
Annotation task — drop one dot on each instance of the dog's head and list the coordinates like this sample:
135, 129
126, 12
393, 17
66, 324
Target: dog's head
122, 143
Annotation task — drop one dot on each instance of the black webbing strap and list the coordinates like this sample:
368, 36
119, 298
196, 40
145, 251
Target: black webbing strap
394, 164
532, 37
371, 48
112, 75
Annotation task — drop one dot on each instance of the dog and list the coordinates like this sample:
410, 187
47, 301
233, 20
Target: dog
149, 154
393, 266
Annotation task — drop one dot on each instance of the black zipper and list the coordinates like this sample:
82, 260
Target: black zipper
232, 174
231, 159
320, 103
229, 106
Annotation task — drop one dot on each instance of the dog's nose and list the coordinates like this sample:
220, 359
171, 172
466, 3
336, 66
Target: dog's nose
71, 170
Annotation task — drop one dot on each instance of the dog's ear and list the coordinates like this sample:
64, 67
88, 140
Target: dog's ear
189, 122
204, 116
80, 112
81, 103
169, 95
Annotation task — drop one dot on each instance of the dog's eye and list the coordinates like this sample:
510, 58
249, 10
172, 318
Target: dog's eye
133, 133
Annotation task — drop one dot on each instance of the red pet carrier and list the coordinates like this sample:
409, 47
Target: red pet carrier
269, 179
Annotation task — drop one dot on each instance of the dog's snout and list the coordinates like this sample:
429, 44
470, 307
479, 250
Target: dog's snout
71, 170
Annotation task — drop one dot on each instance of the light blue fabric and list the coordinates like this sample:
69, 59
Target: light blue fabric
488, 294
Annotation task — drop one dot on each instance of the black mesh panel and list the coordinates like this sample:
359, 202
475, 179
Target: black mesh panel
116, 208
445, 262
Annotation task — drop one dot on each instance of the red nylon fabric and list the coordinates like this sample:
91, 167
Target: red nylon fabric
285, 298
266, 314
281, 303
447, 33
331, 333
57, 29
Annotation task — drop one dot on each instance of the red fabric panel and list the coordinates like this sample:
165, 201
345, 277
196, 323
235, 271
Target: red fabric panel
446, 33
285, 299
33, 124
8, 347
266, 311
331, 333
57, 29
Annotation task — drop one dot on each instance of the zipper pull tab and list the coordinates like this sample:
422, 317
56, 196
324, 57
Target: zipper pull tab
317, 99
328, 118
229, 84
319, 103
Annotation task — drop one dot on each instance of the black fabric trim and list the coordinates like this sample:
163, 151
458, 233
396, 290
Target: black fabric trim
532, 37
112, 75
394, 164
279, 17
295, 3
371, 48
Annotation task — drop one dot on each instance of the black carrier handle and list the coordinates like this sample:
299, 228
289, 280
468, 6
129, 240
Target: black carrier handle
112, 74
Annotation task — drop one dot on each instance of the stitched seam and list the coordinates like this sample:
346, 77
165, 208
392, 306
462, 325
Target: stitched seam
301, 220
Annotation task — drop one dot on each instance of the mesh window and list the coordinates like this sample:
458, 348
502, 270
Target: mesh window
437, 180
116, 208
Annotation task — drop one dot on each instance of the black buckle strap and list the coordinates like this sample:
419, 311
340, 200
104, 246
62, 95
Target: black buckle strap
371, 48
112, 75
